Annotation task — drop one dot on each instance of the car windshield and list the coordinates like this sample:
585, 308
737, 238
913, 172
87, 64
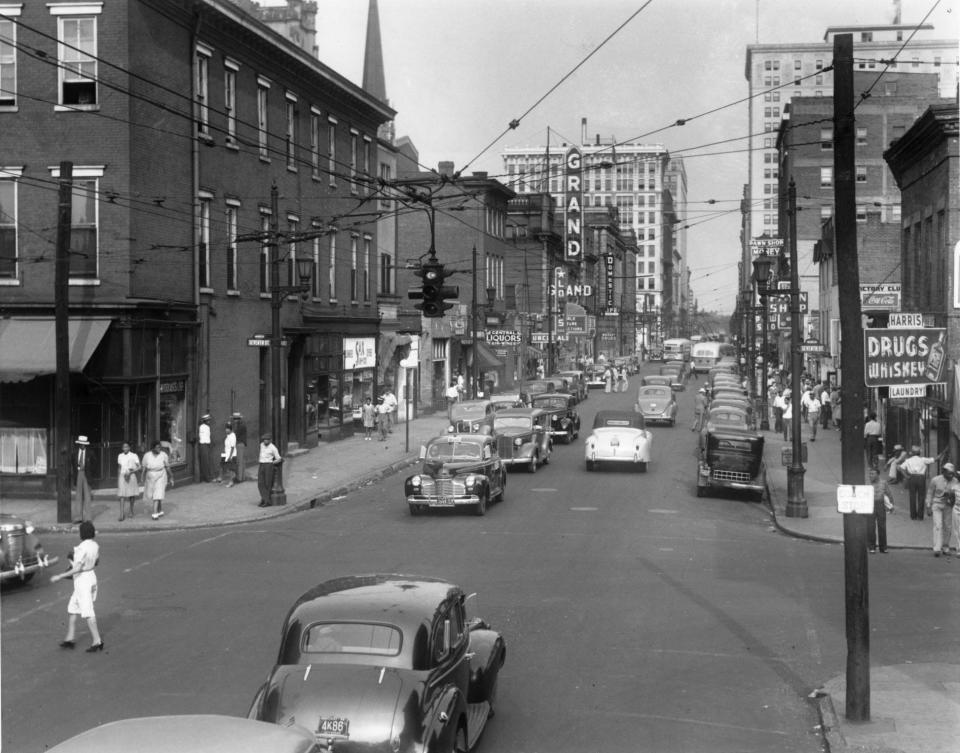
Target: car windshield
512, 422
352, 638
551, 402
655, 393
466, 410
453, 450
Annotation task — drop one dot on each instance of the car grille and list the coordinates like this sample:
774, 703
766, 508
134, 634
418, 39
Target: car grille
737, 476
445, 487
505, 446
13, 545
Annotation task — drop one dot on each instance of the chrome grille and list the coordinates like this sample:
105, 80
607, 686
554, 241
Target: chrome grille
13, 545
505, 446
737, 476
446, 487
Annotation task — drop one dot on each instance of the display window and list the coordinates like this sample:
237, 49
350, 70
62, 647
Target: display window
173, 409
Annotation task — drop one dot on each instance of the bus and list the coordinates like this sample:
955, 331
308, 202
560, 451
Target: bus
708, 354
676, 349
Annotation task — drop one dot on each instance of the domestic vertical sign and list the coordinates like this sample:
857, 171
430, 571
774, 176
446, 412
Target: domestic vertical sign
573, 205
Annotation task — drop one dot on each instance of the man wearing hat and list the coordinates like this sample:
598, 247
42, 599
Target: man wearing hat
941, 497
914, 470
269, 459
82, 499
205, 450
699, 408
240, 432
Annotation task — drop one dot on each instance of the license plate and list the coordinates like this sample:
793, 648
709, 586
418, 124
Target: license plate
615, 442
334, 726
444, 502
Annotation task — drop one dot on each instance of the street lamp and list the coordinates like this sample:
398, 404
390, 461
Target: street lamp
761, 273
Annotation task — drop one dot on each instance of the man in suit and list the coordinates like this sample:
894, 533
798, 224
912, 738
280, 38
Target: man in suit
80, 507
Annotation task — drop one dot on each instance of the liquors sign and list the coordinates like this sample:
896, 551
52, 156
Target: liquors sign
573, 205
901, 356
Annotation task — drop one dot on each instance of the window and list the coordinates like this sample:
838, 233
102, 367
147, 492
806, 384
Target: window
818, 80
263, 101
367, 242
232, 213
202, 72
264, 251
77, 54
332, 151
8, 223
354, 272
819, 65
314, 143
290, 146
385, 174
83, 229
936, 61
861, 173
768, 142
768, 65
776, 65
386, 274
203, 240
826, 211
354, 146
332, 268
915, 63
8, 59
826, 139
797, 65
826, 177
293, 229
861, 212
230, 100
866, 36
315, 276
365, 166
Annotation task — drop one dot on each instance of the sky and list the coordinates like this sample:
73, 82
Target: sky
458, 71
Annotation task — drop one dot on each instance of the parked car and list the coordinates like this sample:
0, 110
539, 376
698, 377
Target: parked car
596, 380
656, 403
507, 402
578, 383
472, 417
523, 437
726, 416
564, 421
735, 401
618, 437
191, 733
384, 663
730, 455
677, 373
457, 470
538, 387
655, 353
663, 380
21, 554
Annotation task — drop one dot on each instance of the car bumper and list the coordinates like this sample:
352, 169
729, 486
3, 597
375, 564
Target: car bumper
728, 480
440, 503
633, 457
20, 570
657, 418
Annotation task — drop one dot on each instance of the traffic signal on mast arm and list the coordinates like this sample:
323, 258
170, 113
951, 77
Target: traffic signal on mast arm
433, 292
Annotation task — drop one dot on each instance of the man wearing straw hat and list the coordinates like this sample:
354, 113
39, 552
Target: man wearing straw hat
205, 450
80, 506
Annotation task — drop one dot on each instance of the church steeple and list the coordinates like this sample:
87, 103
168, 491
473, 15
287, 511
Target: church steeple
374, 81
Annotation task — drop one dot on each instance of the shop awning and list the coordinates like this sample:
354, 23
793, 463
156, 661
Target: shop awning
486, 357
28, 346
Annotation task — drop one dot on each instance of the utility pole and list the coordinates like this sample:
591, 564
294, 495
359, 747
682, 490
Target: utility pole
474, 360
851, 439
796, 501
61, 296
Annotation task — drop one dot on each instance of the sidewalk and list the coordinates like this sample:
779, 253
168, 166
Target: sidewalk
914, 708
310, 479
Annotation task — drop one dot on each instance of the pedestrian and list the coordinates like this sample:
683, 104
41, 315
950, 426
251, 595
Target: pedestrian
368, 417
787, 417
813, 414
914, 470
453, 395
941, 498
269, 460
835, 407
778, 407
608, 380
461, 386
228, 458
390, 400
804, 401
882, 504
240, 432
205, 448
871, 436
897, 456
699, 409
128, 483
156, 477
85, 556
382, 417
826, 407
84, 495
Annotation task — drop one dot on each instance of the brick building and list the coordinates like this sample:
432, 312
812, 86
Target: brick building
178, 117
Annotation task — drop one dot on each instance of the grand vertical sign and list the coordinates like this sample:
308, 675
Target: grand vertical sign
573, 205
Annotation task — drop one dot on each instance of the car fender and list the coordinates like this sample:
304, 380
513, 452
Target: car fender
441, 718
488, 652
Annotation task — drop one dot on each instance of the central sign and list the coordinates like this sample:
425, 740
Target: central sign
503, 337
573, 205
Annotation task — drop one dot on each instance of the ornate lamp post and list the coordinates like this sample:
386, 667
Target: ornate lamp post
761, 274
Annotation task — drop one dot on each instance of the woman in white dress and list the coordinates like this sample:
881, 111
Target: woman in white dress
86, 556
156, 477
128, 483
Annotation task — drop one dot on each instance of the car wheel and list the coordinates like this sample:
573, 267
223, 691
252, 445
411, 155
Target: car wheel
503, 488
460, 743
534, 463
569, 439
416, 510
481, 507
643, 467
701, 491
591, 465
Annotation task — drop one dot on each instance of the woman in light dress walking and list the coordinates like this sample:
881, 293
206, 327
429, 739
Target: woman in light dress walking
85, 556
156, 477
128, 483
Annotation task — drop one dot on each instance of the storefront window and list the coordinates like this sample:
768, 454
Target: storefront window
23, 451
173, 419
361, 388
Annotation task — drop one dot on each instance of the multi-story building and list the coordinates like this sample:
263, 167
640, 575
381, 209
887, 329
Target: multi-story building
777, 73
635, 178
178, 118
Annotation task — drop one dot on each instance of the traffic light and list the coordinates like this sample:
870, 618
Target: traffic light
433, 292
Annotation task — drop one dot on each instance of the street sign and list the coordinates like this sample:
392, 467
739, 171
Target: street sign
811, 346
856, 498
263, 341
503, 337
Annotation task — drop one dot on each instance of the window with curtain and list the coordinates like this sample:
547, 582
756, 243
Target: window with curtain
23, 451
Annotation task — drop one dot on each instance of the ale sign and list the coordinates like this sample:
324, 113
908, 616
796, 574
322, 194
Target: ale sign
910, 355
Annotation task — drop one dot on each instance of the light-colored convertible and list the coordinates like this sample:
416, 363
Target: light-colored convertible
619, 437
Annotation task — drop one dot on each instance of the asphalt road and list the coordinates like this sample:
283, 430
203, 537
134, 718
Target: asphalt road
637, 617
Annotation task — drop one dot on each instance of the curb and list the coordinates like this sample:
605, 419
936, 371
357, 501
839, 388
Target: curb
833, 740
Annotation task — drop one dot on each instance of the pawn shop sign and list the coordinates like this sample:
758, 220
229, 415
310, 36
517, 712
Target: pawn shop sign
856, 498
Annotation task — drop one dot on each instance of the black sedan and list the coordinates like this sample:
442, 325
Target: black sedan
384, 663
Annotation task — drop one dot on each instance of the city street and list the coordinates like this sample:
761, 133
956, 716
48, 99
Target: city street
637, 616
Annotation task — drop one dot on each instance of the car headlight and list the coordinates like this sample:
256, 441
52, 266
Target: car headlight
416, 481
28, 527
554, 419
517, 442
470, 480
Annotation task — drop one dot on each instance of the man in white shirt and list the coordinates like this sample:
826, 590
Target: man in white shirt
229, 456
453, 394
269, 458
391, 404
205, 449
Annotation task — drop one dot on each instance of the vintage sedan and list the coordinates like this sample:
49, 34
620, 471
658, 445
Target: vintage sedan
619, 437
21, 554
564, 421
657, 404
472, 417
596, 379
578, 381
384, 663
656, 379
191, 733
507, 401
523, 437
677, 373
730, 455
458, 470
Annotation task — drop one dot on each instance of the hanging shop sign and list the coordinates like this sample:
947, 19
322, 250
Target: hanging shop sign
573, 205
609, 268
359, 353
766, 246
900, 356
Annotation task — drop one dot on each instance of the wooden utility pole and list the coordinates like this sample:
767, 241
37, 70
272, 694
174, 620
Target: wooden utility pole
851, 395
61, 307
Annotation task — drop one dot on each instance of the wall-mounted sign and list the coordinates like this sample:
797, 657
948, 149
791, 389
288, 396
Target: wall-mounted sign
503, 337
609, 267
573, 206
766, 246
359, 353
904, 356
880, 296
